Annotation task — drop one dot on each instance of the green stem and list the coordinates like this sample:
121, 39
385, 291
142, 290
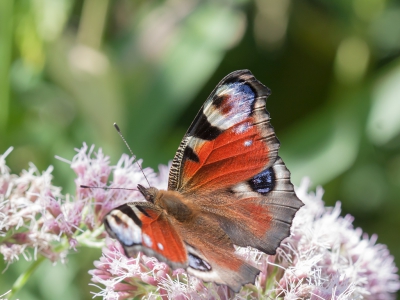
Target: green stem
23, 278
86, 239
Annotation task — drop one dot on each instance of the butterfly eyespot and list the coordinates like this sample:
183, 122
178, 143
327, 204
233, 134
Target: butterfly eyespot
197, 263
219, 99
263, 182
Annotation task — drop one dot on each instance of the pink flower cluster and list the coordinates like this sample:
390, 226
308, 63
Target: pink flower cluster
324, 258
119, 277
30, 214
327, 258
36, 218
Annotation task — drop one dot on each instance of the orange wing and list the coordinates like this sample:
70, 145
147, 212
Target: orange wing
230, 140
257, 212
141, 226
228, 165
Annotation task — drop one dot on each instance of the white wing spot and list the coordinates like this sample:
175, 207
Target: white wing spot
242, 128
242, 188
147, 240
248, 143
160, 246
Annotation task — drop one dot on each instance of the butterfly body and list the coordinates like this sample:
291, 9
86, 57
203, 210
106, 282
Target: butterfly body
176, 206
227, 186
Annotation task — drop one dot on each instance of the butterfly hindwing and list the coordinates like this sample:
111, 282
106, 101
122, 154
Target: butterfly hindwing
233, 272
212, 255
257, 212
230, 140
141, 226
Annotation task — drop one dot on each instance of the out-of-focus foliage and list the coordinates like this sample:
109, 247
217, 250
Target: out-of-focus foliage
69, 69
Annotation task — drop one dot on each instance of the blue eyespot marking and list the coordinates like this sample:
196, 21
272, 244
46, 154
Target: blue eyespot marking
263, 182
197, 263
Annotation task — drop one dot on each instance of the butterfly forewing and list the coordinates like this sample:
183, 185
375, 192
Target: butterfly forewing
141, 226
230, 139
230, 166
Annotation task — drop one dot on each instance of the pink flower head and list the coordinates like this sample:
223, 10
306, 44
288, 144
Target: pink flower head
24, 207
324, 258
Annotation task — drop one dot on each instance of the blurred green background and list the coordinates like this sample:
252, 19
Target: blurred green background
69, 69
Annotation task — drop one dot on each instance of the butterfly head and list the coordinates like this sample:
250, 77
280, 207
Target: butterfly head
149, 194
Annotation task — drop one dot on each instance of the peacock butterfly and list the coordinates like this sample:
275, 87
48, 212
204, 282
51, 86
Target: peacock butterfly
227, 186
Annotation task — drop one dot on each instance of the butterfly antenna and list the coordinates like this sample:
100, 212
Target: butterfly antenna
104, 188
130, 150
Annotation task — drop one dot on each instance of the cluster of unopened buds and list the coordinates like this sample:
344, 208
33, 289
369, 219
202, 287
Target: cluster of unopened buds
324, 258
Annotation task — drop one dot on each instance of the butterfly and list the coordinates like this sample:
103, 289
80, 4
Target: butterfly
227, 186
